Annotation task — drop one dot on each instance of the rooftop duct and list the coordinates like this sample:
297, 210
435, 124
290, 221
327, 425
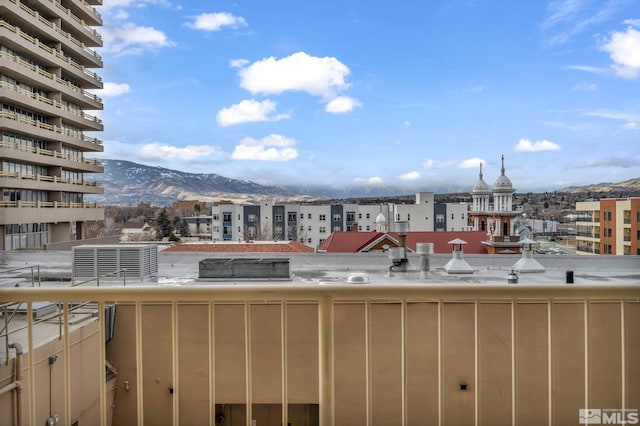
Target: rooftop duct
244, 268
425, 250
113, 262
398, 255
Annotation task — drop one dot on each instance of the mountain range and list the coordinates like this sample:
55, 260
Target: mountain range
128, 183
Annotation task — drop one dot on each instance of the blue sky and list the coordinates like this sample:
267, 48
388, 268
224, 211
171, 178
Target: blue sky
410, 94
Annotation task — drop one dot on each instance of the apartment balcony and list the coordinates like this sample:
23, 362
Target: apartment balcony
18, 212
12, 93
20, 40
83, 10
33, 22
31, 74
48, 183
27, 154
19, 123
321, 354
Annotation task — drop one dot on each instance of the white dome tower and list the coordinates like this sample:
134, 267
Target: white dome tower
502, 192
381, 223
480, 194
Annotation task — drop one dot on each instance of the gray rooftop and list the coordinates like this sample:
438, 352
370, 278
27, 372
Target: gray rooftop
179, 268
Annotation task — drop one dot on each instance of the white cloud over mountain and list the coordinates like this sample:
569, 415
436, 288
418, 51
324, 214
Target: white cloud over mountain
270, 148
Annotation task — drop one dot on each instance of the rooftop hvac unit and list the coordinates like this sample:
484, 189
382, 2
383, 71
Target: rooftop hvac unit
114, 262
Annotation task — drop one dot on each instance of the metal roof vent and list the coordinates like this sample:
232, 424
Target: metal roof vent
358, 278
425, 250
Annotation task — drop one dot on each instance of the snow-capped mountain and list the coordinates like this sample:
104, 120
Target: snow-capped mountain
128, 183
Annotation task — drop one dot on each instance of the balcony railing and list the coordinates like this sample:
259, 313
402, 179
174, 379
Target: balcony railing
49, 101
58, 54
75, 18
484, 354
45, 73
59, 30
49, 205
46, 126
48, 178
49, 153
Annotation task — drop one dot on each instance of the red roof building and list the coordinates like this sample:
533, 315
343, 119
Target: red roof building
360, 242
232, 247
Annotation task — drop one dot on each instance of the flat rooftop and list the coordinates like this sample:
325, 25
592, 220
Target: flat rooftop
182, 268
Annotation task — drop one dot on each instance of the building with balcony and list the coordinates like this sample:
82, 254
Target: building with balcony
340, 343
313, 224
46, 72
608, 226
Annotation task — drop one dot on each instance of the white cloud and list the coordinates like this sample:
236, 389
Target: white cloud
567, 18
471, 163
249, 110
585, 68
323, 77
215, 21
631, 118
632, 22
270, 148
238, 63
131, 38
410, 176
189, 152
374, 180
429, 164
407, 123
342, 104
525, 145
624, 50
585, 87
113, 89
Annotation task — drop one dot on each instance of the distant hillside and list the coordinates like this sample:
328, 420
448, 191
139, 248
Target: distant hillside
127, 183
630, 187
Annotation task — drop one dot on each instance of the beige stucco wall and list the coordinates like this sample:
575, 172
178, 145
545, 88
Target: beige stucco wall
523, 363
85, 379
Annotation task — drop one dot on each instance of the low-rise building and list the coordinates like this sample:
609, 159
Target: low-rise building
608, 226
139, 231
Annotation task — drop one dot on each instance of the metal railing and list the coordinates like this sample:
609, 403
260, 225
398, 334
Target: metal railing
50, 153
58, 54
41, 125
49, 101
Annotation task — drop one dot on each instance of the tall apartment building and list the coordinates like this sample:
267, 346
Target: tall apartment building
609, 226
46, 62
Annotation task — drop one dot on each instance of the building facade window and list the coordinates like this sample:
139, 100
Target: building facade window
278, 218
323, 217
251, 218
